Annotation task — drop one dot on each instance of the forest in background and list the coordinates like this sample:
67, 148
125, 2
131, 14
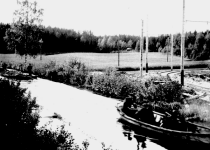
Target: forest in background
57, 40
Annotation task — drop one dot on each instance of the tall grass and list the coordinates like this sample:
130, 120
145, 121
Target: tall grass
197, 112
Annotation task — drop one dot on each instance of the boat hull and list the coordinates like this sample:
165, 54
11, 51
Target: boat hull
156, 132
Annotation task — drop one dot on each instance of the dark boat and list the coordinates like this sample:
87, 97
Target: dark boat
16, 75
200, 136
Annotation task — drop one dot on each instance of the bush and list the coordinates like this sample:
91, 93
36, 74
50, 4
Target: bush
162, 96
54, 140
168, 91
72, 73
160, 92
111, 84
75, 73
18, 122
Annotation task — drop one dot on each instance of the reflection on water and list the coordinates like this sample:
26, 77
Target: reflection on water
141, 138
130, 134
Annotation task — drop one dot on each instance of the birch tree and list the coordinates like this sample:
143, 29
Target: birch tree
24, 35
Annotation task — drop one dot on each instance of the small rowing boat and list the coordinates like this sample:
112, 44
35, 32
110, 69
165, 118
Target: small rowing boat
199, 134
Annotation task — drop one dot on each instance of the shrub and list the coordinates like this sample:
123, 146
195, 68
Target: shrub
160, 92
72, 73
76, 72
111, 84
169, 92
18, 121
55, 139
165, 96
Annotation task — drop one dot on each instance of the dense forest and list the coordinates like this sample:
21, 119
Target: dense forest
56, 40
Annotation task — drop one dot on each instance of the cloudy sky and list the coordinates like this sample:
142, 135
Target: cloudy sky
113, 17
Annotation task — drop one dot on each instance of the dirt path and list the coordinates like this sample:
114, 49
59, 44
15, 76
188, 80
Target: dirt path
92, 117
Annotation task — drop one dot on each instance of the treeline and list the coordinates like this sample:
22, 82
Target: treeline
197, 44
56, 40
115, 43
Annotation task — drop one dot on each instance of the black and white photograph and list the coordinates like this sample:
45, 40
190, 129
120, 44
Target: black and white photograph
105, 74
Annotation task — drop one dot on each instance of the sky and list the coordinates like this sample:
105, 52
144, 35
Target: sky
114, 17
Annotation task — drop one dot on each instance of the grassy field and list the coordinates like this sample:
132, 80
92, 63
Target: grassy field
104, 60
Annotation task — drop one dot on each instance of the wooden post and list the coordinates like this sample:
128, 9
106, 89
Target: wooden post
147, 41
26, 36
118, 54
182, 45
141, 49
167, 47
172, 44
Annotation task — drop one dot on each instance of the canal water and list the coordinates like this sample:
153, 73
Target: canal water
92, 117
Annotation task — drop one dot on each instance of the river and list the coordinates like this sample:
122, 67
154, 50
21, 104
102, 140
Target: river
92, 117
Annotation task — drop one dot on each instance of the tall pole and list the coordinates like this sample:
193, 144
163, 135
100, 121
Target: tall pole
172, 45
26, 36
41, 49
118, 54
182, 45
147, 41
141, 48
167, 47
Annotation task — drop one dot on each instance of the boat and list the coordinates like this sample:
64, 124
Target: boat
197, 137
16, 75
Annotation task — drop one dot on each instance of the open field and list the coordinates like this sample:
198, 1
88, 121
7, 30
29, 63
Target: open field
104, 60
